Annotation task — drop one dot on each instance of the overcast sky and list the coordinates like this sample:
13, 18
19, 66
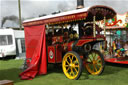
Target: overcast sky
34, 8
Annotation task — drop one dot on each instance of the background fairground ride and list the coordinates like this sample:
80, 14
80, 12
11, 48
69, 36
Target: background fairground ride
115, 48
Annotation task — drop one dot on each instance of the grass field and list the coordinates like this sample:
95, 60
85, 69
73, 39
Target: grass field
112, 75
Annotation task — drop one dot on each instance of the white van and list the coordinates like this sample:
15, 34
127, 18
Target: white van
7, 43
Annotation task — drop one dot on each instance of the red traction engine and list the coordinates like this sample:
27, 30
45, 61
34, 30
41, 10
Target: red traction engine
64, 45
75, 52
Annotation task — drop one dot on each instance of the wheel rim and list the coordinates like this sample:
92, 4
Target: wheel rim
70, 66
94, 63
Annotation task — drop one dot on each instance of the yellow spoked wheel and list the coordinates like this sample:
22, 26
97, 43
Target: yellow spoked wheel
72, 65
94, 63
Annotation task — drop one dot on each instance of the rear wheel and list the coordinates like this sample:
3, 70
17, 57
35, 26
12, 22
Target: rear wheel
72, 65
94, 63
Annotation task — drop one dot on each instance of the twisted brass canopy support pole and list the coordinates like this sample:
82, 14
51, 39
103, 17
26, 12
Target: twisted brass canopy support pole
94, 26
104, 26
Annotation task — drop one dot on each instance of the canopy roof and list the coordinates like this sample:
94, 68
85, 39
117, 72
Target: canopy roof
85, 14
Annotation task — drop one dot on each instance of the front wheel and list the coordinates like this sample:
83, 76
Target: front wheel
72, 65
94, 62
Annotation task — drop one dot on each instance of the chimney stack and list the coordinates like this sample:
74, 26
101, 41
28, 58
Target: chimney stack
80, 4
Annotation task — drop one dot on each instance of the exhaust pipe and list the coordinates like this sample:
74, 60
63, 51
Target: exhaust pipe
80, 4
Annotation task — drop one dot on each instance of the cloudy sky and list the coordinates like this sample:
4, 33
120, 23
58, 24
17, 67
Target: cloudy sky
34, 8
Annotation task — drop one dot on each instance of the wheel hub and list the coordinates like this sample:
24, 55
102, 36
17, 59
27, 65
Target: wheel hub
72, 65
94, 62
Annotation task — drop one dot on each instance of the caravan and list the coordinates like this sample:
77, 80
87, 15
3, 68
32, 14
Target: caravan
7, 43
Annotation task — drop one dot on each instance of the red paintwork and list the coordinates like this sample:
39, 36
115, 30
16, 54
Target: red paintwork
70, 45
83, 41
55, 54
76, 16
81, 57
114, 60
56, 39
36, 50
58, 53
51, 54
94, 38
87, 39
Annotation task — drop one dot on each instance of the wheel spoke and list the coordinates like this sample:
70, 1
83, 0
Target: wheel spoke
68, 62
76, 65
89, 63
75, 70
98, 58
75, 62
72, 71
70, 59
95, 67
90, 59
66, 65
67, 69
93, 56
98, 66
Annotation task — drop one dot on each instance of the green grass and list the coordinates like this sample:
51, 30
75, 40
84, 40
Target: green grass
112, 75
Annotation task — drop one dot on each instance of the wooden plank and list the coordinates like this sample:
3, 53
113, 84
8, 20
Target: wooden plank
6, 82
